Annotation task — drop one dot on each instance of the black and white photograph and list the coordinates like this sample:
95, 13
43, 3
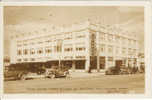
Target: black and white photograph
74, 49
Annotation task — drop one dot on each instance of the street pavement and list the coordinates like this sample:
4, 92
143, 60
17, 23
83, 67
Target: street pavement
80, 83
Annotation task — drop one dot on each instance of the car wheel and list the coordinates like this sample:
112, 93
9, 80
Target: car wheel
52, 76
68, 76
23, 77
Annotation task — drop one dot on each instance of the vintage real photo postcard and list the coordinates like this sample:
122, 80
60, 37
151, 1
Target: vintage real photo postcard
75, 48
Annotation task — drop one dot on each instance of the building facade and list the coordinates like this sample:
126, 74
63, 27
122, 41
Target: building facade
79, 46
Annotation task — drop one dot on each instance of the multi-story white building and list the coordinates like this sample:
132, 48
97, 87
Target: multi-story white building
79, 46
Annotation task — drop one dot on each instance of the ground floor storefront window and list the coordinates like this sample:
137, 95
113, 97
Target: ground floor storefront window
80, 64
102, 62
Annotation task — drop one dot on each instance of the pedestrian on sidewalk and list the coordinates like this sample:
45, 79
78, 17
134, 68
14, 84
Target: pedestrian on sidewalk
89, 71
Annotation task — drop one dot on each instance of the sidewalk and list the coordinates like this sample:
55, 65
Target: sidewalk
85, 74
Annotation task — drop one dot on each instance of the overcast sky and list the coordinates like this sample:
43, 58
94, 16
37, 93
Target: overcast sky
59, 15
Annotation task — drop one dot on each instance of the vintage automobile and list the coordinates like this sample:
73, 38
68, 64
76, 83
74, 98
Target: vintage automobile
57, 72
12, 74
121, 70
112, 71
125, 70
16, 72
20, 75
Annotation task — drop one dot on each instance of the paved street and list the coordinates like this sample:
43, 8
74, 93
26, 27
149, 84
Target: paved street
89, 84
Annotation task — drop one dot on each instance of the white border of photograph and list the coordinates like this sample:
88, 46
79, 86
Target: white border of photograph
147, 41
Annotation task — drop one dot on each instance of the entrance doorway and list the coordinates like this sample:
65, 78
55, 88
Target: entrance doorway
118, 63
102, 62
80, 64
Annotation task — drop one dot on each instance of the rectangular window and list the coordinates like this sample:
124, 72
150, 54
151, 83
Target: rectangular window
102, 36
110, 49
110, 58
129, 51
110, 38
32, 59
134, 51
123, 50
19, 45
25, 51
19, 52
68, 36
40, 51
19, 60
102, 47
80, 48
67, 49
129, 41
117, 50
32, 51
80, 35
118, 39
25, 59
48, 50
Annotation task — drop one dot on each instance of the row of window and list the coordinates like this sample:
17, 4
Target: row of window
110, 49
67, 36
47, 50
25, 59
33, 59
70, 34
117, 39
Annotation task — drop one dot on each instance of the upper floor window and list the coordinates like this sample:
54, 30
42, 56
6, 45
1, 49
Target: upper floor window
32, 59
80, 35
110, 38
123, 50
130, 51
25, 59
68, 49
25, 51
68, 36
57, 48
102, 47
19, 60
129, 41
80, 48
117, 39
40, 51
32, 51
19, 52
48, 50
117, 50
110, 58
110, 49
19, 45
102, 36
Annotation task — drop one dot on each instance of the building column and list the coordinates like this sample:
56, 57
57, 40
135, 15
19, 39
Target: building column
126, 62
98, 52
106, 62
98, 63
87, 64
73, 66
87, 43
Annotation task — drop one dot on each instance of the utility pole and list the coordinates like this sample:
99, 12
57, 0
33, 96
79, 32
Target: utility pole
98, 52
59, 46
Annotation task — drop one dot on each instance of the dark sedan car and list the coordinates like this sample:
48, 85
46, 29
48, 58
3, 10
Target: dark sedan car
11, 74
56, 72
113, 71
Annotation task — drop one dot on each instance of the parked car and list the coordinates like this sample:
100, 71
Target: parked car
134, 70
112, 71
125, 70
12, 74
57, 72
142, 68
16, 72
